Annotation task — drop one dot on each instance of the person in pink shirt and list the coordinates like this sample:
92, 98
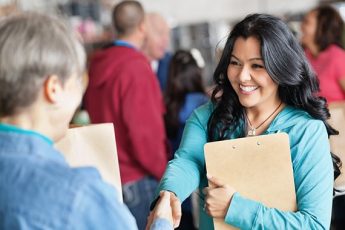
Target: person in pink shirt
322, 30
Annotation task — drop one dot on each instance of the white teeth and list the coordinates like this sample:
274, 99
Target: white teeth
248, 88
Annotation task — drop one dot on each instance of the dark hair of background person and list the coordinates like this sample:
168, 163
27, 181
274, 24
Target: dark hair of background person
184, 76
286, 64
126, 16
330, 27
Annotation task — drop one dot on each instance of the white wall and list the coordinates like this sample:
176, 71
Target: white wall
189, 11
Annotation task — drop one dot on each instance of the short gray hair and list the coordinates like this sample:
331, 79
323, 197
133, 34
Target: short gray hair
32, 47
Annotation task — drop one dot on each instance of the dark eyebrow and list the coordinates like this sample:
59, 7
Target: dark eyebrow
252, 59
235, 57
256, 59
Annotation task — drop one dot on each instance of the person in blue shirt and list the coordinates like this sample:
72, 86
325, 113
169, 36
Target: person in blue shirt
185, 92
264, 85
41, 68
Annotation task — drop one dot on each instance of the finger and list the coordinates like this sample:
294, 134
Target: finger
163, 209
215, 181
149, 221
164, 198
176, 212
208, 210
206, 190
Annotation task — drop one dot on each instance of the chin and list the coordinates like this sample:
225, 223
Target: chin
159, 55
248, 103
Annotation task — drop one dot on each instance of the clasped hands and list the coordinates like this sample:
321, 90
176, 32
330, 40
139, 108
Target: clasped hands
217, 200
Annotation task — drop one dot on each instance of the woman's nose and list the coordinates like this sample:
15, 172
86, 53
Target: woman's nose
244, 74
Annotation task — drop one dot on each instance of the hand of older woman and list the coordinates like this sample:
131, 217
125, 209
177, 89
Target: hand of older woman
167, 207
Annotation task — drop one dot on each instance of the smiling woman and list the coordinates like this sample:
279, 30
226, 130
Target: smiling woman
264, 85
254, 87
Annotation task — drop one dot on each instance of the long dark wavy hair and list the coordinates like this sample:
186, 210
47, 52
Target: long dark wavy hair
330, 27
285, 63
184, 77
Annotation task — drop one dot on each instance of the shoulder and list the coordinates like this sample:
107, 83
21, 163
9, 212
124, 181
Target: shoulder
334, 50
306, 134
132, 56
136, 64
197, 98
97, 203
194, 100
119, 54
304, 123
299, 124
291, 117
90, 183
80, 182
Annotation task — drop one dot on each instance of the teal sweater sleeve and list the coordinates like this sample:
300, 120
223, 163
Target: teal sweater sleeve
184, 172
313, 176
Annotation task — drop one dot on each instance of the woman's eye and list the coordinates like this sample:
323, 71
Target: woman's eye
234, 63
257, 66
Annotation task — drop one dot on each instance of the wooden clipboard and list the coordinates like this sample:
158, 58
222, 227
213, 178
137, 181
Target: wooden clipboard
93, 145
258, 167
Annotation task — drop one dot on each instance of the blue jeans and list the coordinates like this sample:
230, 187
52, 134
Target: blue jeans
138, 196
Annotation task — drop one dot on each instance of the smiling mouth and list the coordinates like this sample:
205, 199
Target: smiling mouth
248, 89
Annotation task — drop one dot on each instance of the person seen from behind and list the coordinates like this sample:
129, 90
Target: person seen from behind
41, 68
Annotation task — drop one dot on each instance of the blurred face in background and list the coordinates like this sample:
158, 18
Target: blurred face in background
308, 28
158, 34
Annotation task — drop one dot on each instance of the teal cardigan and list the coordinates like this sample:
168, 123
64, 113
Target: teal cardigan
312, 167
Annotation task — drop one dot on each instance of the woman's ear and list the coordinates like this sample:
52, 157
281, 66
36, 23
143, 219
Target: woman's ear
52, 88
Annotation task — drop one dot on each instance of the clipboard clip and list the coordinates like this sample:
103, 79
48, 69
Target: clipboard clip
257, 143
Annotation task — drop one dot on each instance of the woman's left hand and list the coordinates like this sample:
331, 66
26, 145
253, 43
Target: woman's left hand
217, 197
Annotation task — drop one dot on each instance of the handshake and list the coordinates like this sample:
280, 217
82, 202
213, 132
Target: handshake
218, 197
168, 207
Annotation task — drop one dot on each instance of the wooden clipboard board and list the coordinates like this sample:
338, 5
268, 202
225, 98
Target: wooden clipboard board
258, 167
93, 145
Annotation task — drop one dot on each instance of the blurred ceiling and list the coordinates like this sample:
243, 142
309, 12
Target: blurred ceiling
191, 11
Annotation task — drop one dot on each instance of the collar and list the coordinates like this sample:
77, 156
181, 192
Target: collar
124, 44
14, 140
11, 128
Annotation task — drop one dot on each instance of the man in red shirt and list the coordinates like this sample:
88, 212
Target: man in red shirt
124, 90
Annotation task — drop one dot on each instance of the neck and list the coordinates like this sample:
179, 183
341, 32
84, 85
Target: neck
133, 40
149, 57
314, 50
31, 119
259, 118
147, 53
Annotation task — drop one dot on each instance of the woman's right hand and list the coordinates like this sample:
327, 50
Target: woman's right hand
174, 208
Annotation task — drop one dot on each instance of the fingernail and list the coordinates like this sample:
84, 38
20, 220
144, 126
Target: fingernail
208, 176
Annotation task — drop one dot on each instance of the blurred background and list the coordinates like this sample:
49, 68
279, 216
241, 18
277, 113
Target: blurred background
201, 24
